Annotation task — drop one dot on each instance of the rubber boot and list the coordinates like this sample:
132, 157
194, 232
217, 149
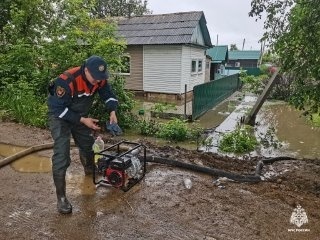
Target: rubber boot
63, 205
87, 162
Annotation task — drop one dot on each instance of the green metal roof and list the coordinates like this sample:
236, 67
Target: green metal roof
248, 54
218, 53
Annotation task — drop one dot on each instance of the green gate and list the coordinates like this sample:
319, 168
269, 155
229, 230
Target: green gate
207, 95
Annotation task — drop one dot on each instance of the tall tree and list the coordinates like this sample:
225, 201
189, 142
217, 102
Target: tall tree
293, 32
24, 20
117, 8
43, 38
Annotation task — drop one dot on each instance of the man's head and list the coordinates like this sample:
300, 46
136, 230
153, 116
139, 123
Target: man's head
96, 69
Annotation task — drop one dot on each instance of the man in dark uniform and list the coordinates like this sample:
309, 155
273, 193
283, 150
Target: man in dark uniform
70, 99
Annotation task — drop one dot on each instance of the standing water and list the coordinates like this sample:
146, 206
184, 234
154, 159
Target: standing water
294, 135
287, 131
30, 163
292, 129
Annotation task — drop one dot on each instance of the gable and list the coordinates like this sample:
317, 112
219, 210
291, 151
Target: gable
197, 37
218, 53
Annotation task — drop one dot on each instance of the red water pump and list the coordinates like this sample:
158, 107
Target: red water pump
120, 168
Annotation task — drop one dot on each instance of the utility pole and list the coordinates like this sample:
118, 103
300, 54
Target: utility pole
244, 40
262, 52
251, 118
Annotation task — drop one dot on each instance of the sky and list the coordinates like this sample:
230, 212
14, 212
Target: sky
228, 21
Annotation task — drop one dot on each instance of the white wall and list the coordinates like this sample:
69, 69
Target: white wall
167, 68
192, 79
162, 68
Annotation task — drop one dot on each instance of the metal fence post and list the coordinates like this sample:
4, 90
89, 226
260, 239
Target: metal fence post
185, 101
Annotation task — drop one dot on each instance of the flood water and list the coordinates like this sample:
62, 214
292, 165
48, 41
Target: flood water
295, 135
217, 115
30, 163
292, 129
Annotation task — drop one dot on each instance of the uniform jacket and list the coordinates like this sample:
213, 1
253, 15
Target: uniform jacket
71, 95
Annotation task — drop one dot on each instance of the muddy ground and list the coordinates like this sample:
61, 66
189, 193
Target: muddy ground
160, 206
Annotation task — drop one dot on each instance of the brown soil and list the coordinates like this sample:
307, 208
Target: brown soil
160, 206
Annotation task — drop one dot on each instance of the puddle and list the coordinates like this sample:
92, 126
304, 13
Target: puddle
217, 115
81, 184
30, 164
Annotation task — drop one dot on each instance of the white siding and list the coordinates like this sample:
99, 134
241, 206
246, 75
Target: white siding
162, 68
190, 53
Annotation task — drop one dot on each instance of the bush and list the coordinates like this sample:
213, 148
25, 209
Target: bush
240, 140
175, 130
149, 128
23, 106
315, 119
125, 117
28, 61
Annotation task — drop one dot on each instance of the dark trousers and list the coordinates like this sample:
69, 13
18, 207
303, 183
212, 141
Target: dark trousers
61, 132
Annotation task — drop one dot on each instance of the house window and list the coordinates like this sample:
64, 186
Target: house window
237, 64
194, 66
125, 65
200, 66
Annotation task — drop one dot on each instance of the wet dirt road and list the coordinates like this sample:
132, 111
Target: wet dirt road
159, 207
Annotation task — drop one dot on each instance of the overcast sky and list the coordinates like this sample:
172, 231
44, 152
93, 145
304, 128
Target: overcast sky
227, 19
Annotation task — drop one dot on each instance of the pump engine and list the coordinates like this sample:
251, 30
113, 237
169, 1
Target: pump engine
120, 169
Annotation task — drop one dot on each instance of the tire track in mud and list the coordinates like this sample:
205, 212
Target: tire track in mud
26, 219
19, 217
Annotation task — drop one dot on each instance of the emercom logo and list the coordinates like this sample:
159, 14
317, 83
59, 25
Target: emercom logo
298, 218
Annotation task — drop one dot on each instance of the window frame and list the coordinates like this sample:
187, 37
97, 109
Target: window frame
194, 66
200, 66
127, 56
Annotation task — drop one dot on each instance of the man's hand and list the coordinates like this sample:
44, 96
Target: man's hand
90, 123
113, 117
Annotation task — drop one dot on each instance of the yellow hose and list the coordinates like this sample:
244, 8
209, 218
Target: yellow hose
30, 150
25, 152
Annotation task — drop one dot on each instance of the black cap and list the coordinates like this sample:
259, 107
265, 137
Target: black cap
97, 67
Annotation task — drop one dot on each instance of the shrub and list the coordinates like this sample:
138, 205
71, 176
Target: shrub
125, 118
23, 106
175, 130
149, 128
315, 119
240, 140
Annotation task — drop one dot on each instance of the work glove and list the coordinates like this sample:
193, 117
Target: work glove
114, 129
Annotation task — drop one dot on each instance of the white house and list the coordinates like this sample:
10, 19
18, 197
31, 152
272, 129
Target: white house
166, 52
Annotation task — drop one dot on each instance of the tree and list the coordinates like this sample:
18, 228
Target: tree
117, 8
25, 20
233, 47
5, 6
42, 39
293, 32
